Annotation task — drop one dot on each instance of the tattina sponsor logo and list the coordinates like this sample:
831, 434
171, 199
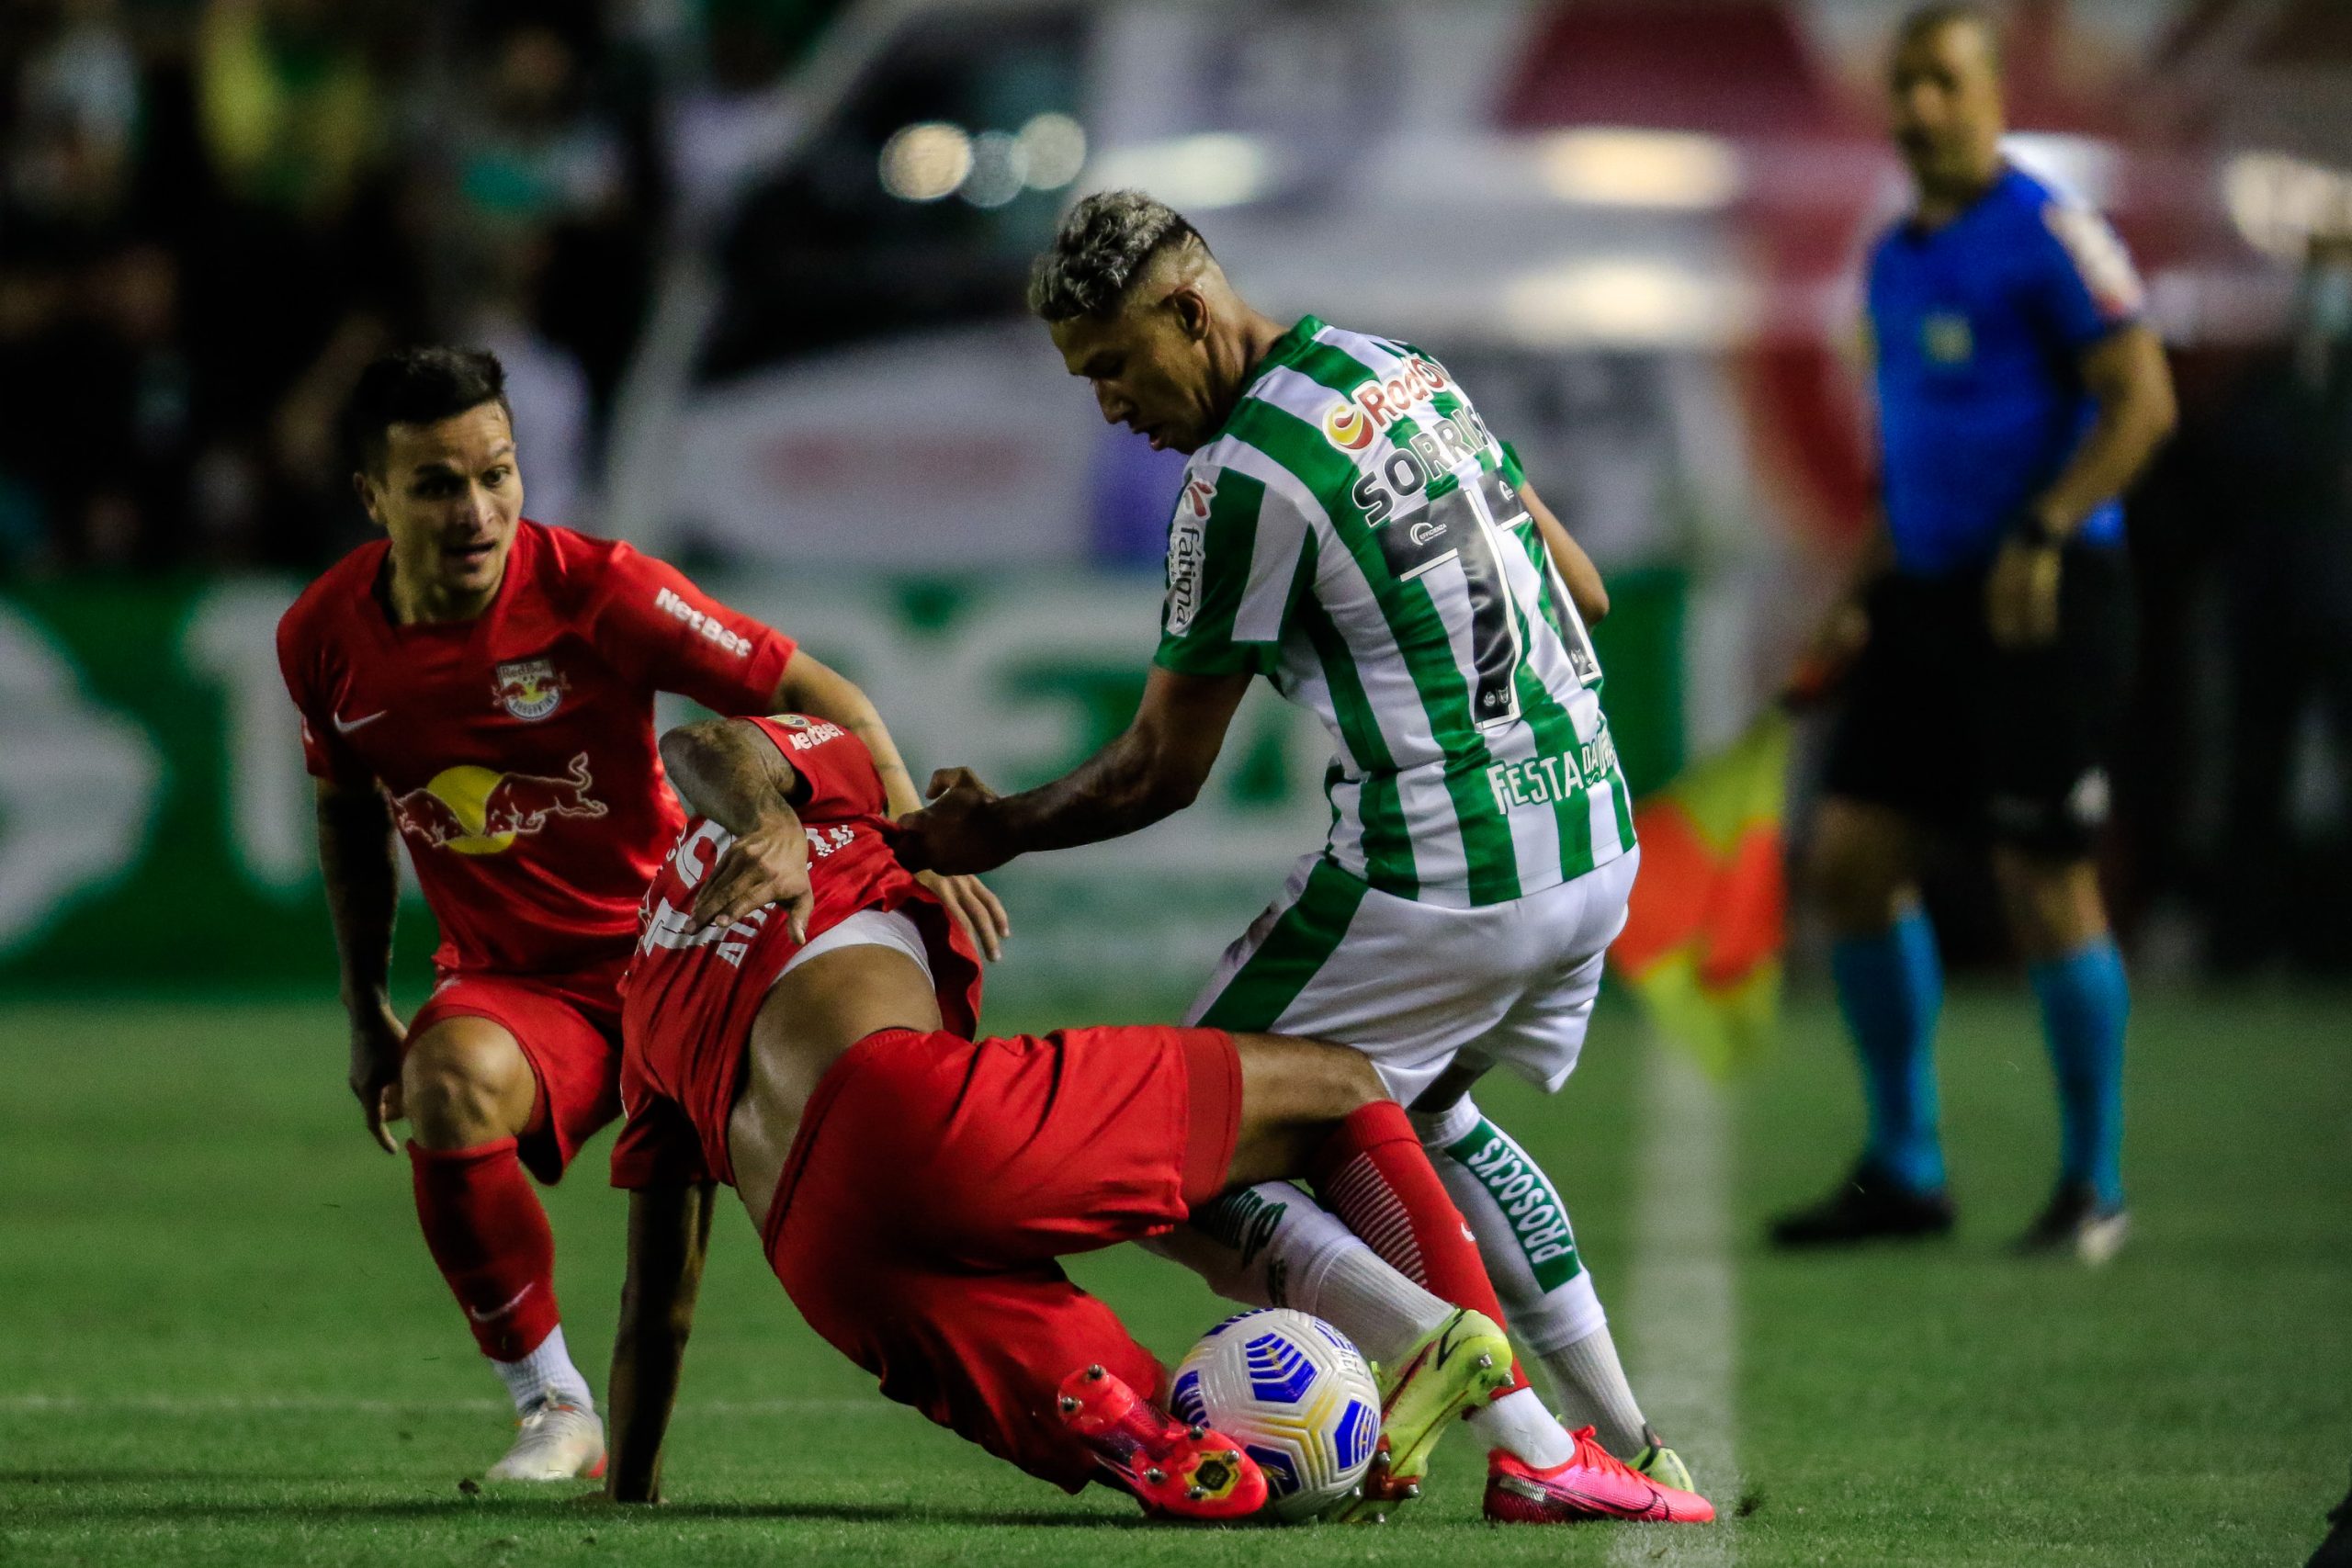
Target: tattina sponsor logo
1352, 422
1187, 550
711, 628
1200, 489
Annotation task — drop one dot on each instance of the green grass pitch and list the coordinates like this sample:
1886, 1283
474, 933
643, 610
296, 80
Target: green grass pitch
220, 1340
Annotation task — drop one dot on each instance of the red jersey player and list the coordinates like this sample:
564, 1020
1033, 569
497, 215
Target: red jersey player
799, 1024
481, 687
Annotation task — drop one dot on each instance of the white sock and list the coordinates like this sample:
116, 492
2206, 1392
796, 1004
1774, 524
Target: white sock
1273, 1244
1530, 1251
1518, 1424
545, 1371
1591, 1382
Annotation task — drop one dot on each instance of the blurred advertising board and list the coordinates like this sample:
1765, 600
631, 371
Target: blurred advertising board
155, 826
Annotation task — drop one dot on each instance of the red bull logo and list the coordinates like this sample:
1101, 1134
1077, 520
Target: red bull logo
480, 811
527, 688
1358, 416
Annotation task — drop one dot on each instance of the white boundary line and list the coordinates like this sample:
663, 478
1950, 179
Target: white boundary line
1681, 1333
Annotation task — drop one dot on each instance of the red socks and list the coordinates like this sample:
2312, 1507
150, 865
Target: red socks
1374, 1174
485, 1228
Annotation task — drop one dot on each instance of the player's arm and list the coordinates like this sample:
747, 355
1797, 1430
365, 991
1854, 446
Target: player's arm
361, 865
812, 687
2128, 380
815, 688
669, 1236
2125, 374
1154, 769
1575, 568
728, 770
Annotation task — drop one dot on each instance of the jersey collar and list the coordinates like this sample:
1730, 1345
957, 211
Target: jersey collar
1287, 350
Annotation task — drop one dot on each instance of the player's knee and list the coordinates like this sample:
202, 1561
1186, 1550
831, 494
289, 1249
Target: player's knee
1310, 1080
1859, 878
463, 1084
2054, 901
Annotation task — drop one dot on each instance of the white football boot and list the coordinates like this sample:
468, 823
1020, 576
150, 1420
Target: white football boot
555, 1441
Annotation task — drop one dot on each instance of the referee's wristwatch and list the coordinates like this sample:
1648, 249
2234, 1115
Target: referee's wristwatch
2035, 529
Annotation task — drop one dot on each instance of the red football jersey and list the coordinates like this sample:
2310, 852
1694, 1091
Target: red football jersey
693, 990
517, 749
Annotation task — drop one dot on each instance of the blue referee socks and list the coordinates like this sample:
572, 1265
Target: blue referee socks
1891, 987
2084, 1003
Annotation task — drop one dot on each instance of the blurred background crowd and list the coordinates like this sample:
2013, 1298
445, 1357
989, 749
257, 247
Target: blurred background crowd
214, 211
755, 268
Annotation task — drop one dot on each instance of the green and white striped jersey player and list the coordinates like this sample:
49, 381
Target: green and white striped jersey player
1356, 535
1351, 530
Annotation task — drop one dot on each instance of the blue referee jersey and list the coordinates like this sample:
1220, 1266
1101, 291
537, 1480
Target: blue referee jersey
1978, 325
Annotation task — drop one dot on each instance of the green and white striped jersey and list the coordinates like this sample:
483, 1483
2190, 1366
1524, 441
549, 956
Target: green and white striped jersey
1356, 535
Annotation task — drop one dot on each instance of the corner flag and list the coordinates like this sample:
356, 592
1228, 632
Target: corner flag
1704, 932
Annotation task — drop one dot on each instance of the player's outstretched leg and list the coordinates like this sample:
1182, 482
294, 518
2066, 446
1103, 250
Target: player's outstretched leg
1369, 1168
1273, 1244
462, 1083
1529, 1252
1372, 1171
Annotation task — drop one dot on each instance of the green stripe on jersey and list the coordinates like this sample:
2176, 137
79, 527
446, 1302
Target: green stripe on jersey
1300, 942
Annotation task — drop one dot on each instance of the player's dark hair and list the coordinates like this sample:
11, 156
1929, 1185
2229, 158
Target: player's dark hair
1104, 245
1928, 20
418, 386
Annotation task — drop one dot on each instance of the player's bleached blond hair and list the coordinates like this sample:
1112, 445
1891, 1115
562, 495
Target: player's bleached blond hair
1104, 245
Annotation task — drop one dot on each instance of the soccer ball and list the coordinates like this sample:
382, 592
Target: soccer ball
1296, 1394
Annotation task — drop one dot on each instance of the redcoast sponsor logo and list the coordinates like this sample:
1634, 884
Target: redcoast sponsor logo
710, 627
1356, 417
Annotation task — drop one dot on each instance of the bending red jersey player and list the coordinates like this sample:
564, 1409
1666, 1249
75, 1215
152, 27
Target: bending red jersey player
482, 687
799, 1025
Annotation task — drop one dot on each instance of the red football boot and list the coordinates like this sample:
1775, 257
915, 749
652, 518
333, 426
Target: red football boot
1183, 1472
1593, 1485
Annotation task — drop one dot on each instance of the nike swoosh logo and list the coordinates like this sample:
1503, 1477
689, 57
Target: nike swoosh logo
345, 725
496, 1312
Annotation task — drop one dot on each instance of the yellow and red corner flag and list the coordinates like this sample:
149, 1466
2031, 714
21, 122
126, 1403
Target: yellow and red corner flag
1704, 932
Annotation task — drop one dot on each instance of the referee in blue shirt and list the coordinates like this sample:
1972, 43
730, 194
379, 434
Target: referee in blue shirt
1985, 643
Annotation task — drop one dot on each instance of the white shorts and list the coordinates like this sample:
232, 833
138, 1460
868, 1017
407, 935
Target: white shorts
1417, 986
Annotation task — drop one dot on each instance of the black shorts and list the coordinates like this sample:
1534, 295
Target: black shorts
1958, 735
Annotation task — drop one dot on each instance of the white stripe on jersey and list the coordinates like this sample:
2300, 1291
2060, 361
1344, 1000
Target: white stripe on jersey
1276, 541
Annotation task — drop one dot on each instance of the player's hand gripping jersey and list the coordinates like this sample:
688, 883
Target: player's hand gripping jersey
692, 991
1355, 534
518, 750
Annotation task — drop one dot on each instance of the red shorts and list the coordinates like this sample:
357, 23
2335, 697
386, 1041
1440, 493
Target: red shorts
570, 1032
934, 1181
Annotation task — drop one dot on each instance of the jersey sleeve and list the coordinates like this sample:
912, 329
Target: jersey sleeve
834, 764
657, 1147
1239, 550
2084, 284
654, 627
325, 754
